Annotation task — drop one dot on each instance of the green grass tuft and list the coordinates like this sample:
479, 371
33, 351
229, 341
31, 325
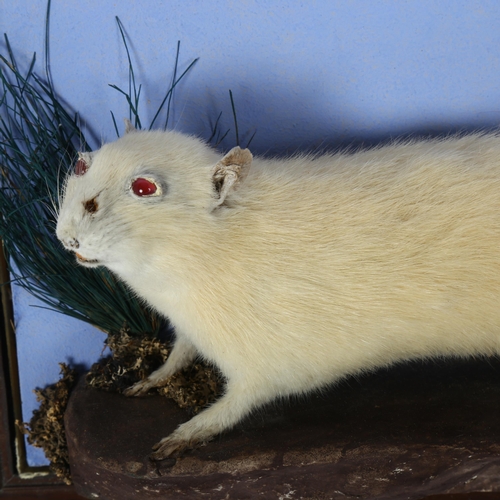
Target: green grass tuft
39, 141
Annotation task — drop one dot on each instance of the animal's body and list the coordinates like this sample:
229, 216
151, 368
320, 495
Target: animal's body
289, 274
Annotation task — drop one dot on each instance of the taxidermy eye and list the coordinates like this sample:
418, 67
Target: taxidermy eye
81, 167
145, 187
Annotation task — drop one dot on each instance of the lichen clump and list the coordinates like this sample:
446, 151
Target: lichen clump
134, 358
46, 427
194, 387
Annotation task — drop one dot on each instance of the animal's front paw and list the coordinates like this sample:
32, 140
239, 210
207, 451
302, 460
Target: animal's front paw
140, 388
172, 445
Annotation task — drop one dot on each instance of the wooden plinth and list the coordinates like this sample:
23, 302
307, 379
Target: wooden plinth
402, 433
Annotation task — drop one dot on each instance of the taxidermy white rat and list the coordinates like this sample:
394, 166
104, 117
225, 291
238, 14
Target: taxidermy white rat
289, 274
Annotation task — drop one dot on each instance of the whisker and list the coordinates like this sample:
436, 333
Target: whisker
52, 207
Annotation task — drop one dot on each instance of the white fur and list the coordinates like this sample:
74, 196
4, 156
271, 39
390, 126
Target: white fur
312, 269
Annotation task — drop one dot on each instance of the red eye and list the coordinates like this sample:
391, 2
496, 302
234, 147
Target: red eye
144, 187
80, 167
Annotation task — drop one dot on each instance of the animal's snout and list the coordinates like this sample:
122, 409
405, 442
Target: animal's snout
71, 243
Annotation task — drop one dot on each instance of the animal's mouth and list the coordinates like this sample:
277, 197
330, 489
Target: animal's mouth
86, 262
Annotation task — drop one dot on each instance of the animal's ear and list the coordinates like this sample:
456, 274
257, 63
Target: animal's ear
82, 164
129, 127
230, 172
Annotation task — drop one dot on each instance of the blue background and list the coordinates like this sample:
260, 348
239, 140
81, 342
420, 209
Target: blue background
304, 75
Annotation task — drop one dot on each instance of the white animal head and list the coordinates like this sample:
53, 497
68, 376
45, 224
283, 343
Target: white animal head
142, 188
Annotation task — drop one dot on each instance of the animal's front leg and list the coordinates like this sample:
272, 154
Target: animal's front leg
181, 356
237, 402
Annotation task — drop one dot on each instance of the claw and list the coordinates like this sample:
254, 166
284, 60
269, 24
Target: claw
168, 447
175, 446
139, 389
